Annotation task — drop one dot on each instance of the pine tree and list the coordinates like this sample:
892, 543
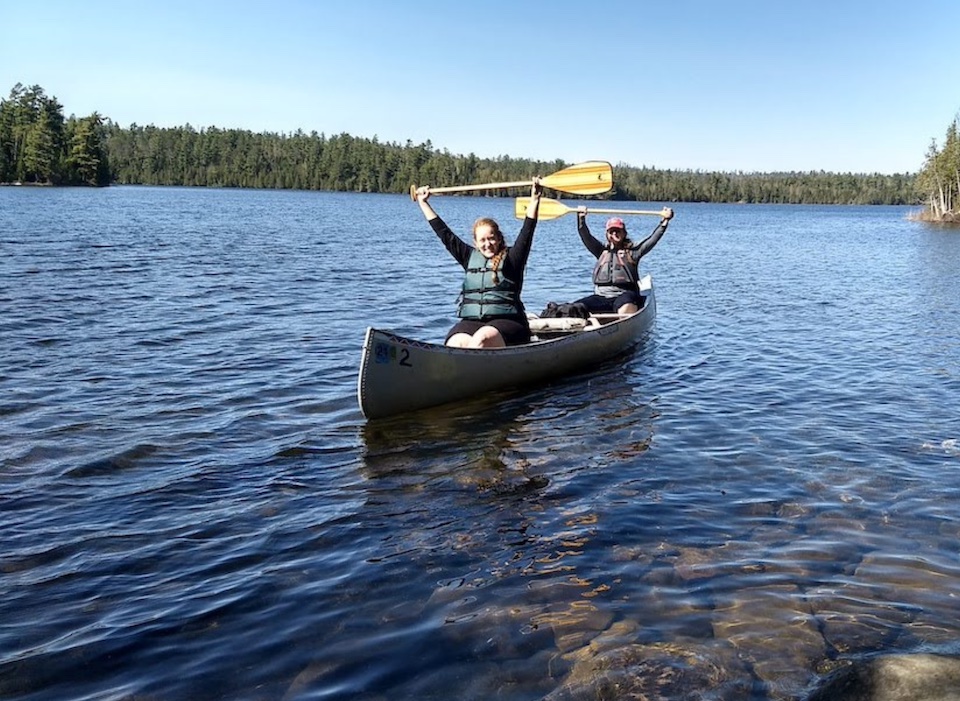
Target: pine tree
86, 159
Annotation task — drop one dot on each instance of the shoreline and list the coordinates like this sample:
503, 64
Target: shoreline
926, 216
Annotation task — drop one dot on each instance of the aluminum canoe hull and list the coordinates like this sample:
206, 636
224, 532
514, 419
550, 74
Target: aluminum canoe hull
400, 375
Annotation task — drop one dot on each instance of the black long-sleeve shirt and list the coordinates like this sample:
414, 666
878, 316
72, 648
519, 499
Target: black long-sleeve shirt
636, 250
513, 264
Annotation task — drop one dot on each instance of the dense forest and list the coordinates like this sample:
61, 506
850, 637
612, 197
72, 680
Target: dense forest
39, 146
939, 179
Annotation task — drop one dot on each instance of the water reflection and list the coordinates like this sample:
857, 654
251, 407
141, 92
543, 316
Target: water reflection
637, 587
531, 468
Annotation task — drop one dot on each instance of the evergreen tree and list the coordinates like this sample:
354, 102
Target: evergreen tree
86, 160
939, 179
7, 160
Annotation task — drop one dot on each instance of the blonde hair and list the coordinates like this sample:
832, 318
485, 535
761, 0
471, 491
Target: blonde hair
498, 235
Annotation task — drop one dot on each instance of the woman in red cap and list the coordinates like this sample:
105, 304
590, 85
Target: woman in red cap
616, 276
491, 312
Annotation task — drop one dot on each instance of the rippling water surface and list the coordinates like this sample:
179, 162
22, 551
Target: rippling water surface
194, 508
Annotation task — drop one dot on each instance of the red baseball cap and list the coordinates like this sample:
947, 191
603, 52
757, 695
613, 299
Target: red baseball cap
616, 223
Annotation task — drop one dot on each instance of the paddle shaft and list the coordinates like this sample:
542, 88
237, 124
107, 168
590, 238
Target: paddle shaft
596, 210
487, 186
552, 209
588, 178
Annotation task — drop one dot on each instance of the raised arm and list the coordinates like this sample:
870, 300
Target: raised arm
645, 246
423, 194
533, 206
592, 244
521, 246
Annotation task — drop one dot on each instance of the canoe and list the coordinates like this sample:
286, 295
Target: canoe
400, 375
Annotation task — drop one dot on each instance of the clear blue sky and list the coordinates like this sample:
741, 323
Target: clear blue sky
860, 86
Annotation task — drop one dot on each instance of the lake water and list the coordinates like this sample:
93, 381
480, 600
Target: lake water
193, 507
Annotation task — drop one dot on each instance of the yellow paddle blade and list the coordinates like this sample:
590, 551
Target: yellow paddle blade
588, 178
549, 209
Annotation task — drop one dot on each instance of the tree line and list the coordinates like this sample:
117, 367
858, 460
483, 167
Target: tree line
939, 179
237, 158
37, 145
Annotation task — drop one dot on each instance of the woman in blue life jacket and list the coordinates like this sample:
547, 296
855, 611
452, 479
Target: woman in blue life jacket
616, 275
491, 313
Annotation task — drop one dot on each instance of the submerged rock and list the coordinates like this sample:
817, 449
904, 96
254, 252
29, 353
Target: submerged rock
658, 672
916, 677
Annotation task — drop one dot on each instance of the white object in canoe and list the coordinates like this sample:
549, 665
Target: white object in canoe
399, 375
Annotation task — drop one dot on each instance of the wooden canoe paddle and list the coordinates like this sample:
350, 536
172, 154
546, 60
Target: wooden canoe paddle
551, 209
588, 178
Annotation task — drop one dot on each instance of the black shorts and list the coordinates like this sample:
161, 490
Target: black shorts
514, 331
598, 304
